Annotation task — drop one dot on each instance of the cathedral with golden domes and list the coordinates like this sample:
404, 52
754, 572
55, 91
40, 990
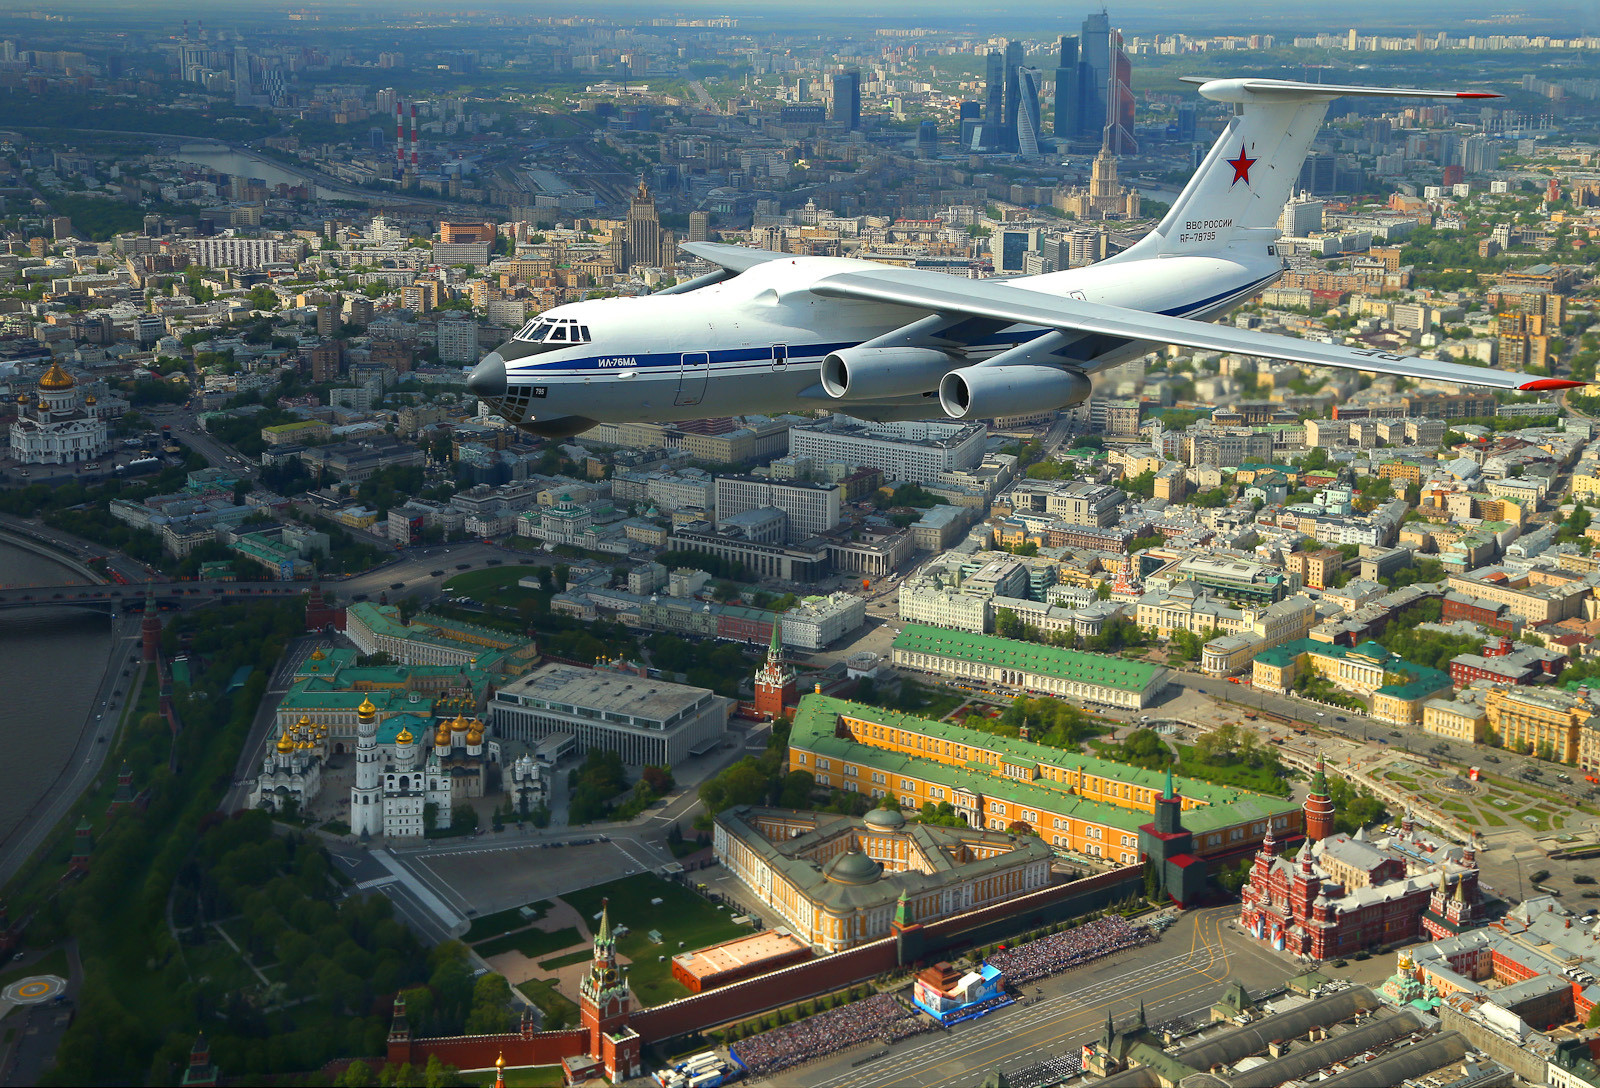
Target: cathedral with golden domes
396, 782
59, 427
293, 771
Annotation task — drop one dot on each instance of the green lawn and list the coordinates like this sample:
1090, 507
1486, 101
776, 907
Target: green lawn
1492, 819
559, 1011
682, 916
532, 943
494, 585
492, 925
566, 961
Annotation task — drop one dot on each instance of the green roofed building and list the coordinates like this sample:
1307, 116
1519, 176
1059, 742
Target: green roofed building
1395, 688
1014, 666
1072, 801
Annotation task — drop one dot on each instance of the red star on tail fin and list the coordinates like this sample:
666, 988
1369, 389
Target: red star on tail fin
1241, 167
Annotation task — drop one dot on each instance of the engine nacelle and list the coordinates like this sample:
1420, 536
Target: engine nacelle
871, 373
983, 392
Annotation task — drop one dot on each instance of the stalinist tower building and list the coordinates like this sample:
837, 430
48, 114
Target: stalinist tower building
644, 231
60, 428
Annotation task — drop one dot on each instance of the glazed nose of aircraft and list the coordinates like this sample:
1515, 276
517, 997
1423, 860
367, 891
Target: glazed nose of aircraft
488, 378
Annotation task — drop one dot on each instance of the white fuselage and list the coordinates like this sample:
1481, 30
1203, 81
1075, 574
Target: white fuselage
755, 343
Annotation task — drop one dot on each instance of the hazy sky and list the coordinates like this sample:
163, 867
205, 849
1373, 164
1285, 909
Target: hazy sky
1559, 17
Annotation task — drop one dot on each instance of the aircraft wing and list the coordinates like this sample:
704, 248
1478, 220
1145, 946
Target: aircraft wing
938, 293
734, 258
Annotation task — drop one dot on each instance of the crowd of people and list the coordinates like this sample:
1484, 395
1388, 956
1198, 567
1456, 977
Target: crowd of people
1048, 1072
1069, 948
875, 1017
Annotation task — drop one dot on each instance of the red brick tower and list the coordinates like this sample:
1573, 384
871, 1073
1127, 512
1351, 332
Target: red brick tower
604, 1002
150, 632
776, 687
201, 1073
1319, 807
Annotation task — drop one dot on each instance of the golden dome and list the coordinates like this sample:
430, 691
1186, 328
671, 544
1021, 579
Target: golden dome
366, 709
22, 398
318, 655
305, 721
90, 400
56, 380
442, 737
285, 745
405, 737
460, 725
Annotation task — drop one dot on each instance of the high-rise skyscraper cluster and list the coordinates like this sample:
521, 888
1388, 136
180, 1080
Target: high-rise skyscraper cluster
1094, 96
1010, 118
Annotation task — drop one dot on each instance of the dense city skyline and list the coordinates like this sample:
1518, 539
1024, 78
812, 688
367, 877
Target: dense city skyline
1193, 711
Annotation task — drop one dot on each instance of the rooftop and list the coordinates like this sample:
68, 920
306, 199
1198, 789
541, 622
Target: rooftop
619, 697
1069, 665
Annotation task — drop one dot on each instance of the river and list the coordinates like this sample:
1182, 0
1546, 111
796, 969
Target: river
51, 664
244, 164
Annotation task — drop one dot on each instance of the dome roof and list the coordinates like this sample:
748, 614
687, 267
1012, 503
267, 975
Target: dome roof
366, 709
888, 819
405, 737
56, 380
285, 745
852, 867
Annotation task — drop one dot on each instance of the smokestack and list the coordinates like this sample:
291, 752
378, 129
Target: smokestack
399, 139
413, 137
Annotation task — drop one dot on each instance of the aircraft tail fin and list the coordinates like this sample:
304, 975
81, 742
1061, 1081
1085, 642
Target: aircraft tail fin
1239, 191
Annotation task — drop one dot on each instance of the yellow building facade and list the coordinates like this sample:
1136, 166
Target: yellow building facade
1533, 718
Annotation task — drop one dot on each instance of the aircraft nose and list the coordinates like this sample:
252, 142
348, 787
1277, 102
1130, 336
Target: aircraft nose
488, 378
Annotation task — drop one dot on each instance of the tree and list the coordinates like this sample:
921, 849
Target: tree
463, 818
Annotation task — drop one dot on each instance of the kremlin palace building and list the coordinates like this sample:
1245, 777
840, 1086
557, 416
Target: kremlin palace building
1073, 802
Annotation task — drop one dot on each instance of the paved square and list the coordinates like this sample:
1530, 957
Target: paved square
494, 878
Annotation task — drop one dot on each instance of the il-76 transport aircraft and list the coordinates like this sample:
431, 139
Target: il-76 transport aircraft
770, 332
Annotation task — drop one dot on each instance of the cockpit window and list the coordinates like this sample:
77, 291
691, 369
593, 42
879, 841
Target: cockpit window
560, 330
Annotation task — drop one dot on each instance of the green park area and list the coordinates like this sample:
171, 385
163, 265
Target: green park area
683, 919
497, 585
493, 925
1493, 803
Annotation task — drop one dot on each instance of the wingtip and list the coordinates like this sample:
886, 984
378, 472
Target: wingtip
1478, 94
1541, 385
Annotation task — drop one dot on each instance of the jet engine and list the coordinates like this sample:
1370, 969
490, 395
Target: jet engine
982, 392
872, 373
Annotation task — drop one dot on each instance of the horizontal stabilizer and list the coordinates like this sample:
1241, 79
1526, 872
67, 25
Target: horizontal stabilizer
1239, 90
